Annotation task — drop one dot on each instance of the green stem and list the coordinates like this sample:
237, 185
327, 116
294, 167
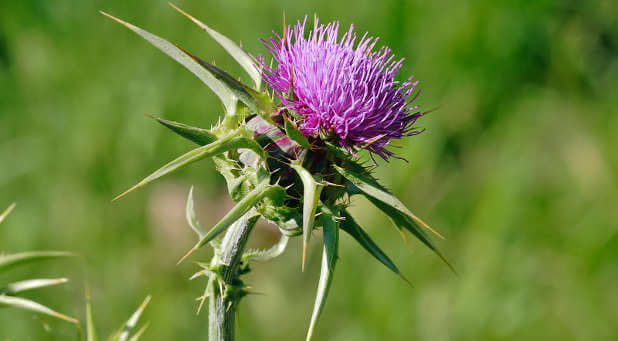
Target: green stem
226, 296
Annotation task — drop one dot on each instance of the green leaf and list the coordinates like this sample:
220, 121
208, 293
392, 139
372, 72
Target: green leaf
230, 142
179, 55
311, 197
239, 89
264, 255
10, 260
197, 135
329, 260
241, 56
243, 206
31, 284
26, 304
123, 333
91, 330
393, 207
192, 218
403, 221
292, 132
6, 212
371, 188
350, 226
257, 102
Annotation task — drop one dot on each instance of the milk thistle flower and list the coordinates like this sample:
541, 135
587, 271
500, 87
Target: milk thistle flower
286, 147
341, 88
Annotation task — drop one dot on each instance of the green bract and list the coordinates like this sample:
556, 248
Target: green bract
273, 172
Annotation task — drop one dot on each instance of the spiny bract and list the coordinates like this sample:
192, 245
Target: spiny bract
290, 158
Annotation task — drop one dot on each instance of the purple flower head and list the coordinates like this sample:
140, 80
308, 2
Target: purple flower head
341, 88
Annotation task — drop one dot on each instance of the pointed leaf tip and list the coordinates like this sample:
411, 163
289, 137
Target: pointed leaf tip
180, 56
233, 140
187, 255
7, 212
246, 61
350, 226
371, 188
26, 304
329, 260
197, 135
311, 197
123, 333
31, 284
10, 260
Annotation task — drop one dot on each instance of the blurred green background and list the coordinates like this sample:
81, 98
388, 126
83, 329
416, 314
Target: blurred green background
518, 169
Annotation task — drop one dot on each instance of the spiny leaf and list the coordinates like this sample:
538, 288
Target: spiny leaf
26, 304
232, 141
257, 102
238, 88
226, 96
264, 255
6, 212
10, 260
91, 330
329, 260
123, 333
31, 284
243, 206
243, 58
403, 221
192, 218
292, 132
311, 196
371, 188
194, 134
350, 226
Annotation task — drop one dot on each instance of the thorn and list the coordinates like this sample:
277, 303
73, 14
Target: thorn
429, 227
447, 263
405, 238
198, 274
405, 279
187, 255
199, 308
332, 184
302, 267
128, 191
7, 212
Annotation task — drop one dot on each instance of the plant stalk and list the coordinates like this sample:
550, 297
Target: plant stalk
227, 294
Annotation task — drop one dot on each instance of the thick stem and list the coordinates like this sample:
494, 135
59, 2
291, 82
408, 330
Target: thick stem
227, 295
